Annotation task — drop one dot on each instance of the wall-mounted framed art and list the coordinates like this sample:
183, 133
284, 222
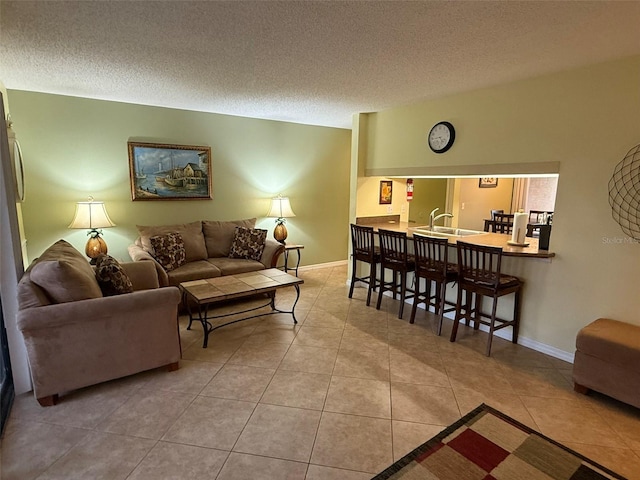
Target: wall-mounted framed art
169, 172
488, 182
386, 191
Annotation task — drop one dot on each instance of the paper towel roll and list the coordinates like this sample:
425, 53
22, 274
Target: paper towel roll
519, 232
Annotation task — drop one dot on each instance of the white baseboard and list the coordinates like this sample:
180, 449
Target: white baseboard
524, 341
339, 263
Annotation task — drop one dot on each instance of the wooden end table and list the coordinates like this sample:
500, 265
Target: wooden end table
208, 292
288, 247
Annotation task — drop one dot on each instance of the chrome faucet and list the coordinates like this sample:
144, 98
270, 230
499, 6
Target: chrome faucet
433, 218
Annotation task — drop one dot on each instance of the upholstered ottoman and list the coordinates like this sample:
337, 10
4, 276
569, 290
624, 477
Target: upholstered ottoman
608, 360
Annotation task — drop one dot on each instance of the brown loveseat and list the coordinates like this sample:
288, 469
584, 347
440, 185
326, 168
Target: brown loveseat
76, 337
207, 245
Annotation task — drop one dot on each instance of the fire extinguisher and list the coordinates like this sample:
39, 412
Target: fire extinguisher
409, 189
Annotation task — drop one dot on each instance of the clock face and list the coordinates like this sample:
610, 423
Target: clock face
441, 137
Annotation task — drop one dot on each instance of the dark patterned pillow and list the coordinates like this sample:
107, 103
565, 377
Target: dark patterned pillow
168, 250
111, 277
248, 243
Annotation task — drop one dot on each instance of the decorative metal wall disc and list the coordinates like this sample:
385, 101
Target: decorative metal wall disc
624, 193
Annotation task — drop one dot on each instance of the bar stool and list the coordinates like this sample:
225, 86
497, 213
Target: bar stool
432, 264
394, 256
479, 275
364, 250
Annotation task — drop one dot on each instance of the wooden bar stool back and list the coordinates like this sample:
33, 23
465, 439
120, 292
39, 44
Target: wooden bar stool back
503, 222
432, 265
364, 250
479, 275
394, 256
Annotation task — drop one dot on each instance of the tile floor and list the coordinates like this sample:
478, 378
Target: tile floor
339, 396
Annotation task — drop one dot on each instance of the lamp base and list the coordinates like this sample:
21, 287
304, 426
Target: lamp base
95, 247
280, 233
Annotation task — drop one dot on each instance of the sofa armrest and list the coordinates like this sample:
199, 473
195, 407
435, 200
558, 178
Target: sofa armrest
272, 251
138, 254
143, 275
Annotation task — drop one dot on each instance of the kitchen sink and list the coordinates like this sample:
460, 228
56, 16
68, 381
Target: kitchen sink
446, 231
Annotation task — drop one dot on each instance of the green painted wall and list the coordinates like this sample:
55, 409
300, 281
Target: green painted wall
586, 119
76, 147
428, 193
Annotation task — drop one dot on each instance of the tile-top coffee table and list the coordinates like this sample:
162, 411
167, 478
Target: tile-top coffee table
210, 291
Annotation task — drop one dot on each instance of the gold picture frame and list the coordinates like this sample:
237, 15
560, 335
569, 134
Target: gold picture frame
169, 172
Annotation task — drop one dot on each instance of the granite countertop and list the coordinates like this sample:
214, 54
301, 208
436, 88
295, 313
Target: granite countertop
485, 238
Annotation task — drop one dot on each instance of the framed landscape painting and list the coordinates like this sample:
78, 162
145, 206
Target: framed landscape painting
169, 172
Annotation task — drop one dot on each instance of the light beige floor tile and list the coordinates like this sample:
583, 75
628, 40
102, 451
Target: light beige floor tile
211, 422
29, 448
191, 377
239, 382
374, 339
423, 404
324, 319
302, 358
216, 352
487, 378
100, 455
410, 343
508, 403
623, 419
83, 408
571, 421
316, 472
274, 334
362, 364
620, 460
424, 368
297, 389
319, 337
518, 355
540, 382
241, 466
266, 355
148, 414
353, 443
170, 461
280, 432
407, 436
359, 396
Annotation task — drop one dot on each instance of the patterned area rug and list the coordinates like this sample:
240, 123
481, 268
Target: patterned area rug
488, 445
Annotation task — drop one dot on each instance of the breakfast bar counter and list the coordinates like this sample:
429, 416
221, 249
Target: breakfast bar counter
484, 238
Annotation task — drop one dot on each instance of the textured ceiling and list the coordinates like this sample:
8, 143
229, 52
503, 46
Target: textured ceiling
301, 61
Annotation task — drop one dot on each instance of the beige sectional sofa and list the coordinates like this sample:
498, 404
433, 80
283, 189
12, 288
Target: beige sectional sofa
207, 246
76, 336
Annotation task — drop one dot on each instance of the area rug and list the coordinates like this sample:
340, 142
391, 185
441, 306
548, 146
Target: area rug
486, 444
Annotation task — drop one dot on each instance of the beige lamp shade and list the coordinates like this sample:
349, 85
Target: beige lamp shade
92, 215
280, 209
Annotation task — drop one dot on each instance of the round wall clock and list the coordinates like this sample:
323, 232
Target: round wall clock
441, 137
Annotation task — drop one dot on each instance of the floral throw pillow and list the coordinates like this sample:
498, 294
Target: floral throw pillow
168, 250
111, 277
248, 243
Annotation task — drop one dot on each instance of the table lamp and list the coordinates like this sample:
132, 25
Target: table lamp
92, 215
281, 209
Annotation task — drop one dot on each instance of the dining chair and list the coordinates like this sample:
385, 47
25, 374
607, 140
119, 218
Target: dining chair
432, 265
479, 276
364, 250
394, 257
503, 223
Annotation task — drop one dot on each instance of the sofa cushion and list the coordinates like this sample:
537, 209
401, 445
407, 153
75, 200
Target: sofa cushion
193, 271
218, 236
232, 266
248, 243
168, 250
65, 274
112, 279
194, 246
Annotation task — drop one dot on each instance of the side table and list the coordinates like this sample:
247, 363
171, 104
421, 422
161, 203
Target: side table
288, 247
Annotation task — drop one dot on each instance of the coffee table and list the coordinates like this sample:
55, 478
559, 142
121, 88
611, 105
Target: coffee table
210, 291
